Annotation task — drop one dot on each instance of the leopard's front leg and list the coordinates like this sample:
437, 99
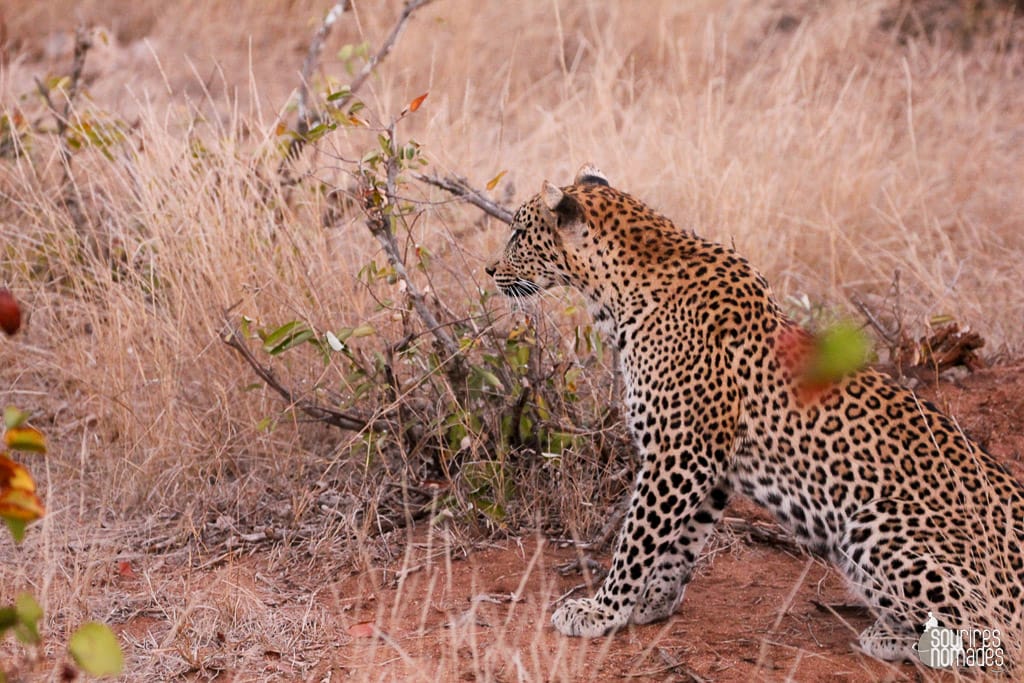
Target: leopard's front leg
685, 460
674, 567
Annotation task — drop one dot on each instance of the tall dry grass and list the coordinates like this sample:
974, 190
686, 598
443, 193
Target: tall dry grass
832, 152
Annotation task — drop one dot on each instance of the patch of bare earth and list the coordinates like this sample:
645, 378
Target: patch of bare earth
758, 609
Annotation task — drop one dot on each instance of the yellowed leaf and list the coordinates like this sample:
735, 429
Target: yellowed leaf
21, 505
493, 182
14, 476
25, 439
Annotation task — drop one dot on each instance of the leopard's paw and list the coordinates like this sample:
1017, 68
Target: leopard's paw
657, 603
587, 618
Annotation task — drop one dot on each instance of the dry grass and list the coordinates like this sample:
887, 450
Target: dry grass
829, 151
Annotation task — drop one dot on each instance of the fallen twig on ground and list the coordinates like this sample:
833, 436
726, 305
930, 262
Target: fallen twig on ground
947, 347
768, 534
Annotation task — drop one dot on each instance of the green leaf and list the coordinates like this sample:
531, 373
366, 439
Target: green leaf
838, 350
525, 427
27, 608
8, 618
14, 417
57, 82
287, 336
490, 378
29, 613
424, 256
559, 441
345, 91
17, 528
293, 341
319, 130
95, 649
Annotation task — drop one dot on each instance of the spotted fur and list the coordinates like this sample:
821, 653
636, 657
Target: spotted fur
917, 516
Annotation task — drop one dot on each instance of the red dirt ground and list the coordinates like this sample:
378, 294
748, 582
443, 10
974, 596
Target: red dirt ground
755, 611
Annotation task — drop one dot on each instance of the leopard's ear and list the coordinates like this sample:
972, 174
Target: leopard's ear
565, 208
551, 196
589, 174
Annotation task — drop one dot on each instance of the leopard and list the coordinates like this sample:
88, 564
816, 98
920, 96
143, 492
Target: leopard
921, 521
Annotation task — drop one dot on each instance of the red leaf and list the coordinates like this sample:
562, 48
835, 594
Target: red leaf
10, 312
415, 104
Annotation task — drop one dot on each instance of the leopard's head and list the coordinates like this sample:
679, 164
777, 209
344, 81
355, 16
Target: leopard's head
539, 253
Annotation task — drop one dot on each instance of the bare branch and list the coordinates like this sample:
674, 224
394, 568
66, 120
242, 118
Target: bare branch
890, 338
380, 227
63, 118
44, 92
760, 532
233, 338
462, 189
82, 45
308, 114
312, 57
385, 49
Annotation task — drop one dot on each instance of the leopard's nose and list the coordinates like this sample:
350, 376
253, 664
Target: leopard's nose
491, 268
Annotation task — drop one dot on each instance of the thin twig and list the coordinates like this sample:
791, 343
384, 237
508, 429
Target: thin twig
385, 49
312, 57
888, 336
63, 118
233, 338
671, 664
462, 189
308, 114
82, 44
783, 611
44, 92
768, 534
379, 225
